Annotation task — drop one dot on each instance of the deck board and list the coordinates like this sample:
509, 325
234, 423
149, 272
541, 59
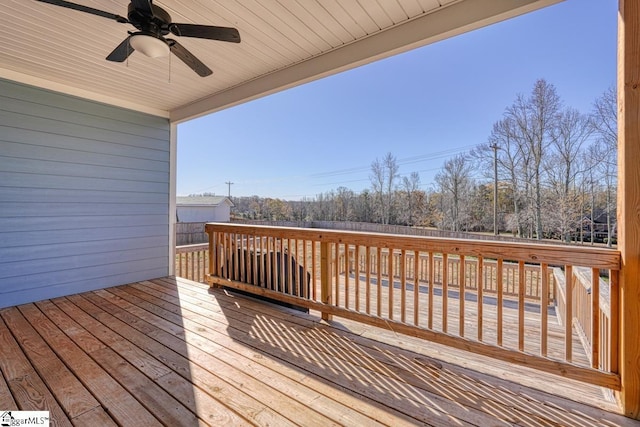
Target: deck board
174, 352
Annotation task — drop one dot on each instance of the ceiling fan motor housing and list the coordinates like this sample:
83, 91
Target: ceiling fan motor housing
156, 24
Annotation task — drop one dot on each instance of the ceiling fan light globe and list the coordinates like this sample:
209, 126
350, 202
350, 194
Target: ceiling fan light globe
148, 45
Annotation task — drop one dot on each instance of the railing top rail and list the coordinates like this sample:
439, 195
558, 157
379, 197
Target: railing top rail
602, 258
191, 248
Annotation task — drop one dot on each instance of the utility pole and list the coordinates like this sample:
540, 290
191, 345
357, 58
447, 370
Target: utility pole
229, 184
494, 146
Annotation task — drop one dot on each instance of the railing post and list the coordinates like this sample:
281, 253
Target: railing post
212, 256
568, 310
325, 274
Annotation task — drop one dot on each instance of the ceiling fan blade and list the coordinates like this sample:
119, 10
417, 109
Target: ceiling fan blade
210, 32
86, 9
187, 57
143, 6
122, 52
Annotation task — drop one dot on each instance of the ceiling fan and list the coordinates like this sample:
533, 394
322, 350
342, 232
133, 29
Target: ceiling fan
153, 24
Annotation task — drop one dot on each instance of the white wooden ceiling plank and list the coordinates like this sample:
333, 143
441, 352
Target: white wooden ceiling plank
411, 7
73, 41
393, 10
339, 14
197, 12
265, 36
429, 5
292, 26
312, 23
253, 45
337, 29
376, 13
361, 16
209, 12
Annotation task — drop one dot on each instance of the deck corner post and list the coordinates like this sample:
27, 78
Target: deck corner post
628, 196
325, 274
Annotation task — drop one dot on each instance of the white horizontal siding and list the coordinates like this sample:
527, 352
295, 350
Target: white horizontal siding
220, 213
84, 195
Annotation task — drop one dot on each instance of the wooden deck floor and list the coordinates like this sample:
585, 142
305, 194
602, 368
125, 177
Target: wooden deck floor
174, 352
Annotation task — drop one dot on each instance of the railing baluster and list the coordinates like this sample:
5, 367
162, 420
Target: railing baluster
356, 273
568, 320
521, 289
262, 259
282, 272
403, 285
243, 258
480, 297
390, 282
305, 276
445, 292
233, 251
368, 279
254, 258
193, 267
270, 262
614, 312
461, 293
431, 280
379, 281
499, 285
212, 255
347, 256
325, 277
416, 287
288, 268
544, 309
314, 260
295, 265
226, 261
595, 318
336, 266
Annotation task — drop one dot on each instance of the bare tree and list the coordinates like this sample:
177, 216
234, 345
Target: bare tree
571, 133
535, 118
454, 181
605, 121
344, 204
410, 187
511, 165
383, 180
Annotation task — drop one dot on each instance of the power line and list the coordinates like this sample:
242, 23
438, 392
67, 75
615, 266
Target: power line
314, 177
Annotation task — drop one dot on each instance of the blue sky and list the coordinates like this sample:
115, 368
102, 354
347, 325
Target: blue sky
422, 106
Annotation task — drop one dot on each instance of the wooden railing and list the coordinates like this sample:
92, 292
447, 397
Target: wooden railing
592, 294
192, 262
493, 298
509, 273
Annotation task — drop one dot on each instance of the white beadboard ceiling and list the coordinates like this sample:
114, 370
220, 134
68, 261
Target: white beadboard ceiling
284, 43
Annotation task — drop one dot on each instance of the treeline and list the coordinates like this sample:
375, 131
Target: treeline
554, 168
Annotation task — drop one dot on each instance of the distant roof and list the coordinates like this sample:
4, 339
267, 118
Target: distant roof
202, 200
